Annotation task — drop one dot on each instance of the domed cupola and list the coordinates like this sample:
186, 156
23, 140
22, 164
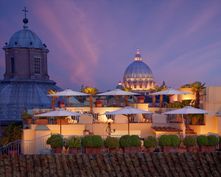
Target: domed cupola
25, 38
138, 75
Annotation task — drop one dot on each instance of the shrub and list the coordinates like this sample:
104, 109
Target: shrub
169, 140
125, 141
202, 140
93, 141
150, 142
112, 142
212, 140
135, 141
25, 115
74, 142
190, 141
55, 141
11, 133
164, 140
175, 140
130, 141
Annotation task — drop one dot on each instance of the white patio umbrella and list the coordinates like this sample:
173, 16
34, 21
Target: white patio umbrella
128, 111
68, 93
58, 113
186, 110
169, 92
117, 92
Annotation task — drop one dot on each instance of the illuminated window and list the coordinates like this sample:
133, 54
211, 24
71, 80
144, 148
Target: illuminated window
37, 65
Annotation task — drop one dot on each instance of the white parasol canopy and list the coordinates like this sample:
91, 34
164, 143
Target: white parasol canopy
187, 110
117, 92
128, 111
68, 93
170, 91
58, 113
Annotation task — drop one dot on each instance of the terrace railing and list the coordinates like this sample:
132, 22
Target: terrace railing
13, 148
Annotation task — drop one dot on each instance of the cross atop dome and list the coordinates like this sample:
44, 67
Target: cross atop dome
25, 20
138, 56
25, 11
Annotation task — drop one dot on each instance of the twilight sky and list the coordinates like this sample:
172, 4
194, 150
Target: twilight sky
91, 42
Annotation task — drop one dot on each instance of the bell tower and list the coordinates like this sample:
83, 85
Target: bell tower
25, 55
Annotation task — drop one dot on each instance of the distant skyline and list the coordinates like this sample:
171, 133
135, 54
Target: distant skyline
92, 42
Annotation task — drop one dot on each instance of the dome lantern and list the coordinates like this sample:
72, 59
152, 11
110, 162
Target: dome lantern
138, 56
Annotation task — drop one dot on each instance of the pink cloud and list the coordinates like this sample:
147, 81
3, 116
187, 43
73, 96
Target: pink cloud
69, 31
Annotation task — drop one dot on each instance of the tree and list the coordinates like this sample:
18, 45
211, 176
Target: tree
197, 88
11, 133
91, 91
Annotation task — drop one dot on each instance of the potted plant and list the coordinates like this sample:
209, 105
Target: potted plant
112, 143
175, 141
92, 144
190, 142
130, 143
74, 144
141, 99
27, 118
169, 143
56, 142
213, 141
62, 104
165, 142
98, 103
135, 143
125, 142
202, 142
150, 143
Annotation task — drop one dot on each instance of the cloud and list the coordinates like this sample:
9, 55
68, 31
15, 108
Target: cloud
69, 32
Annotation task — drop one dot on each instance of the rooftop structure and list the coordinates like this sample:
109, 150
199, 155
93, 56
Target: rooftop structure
26, 81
